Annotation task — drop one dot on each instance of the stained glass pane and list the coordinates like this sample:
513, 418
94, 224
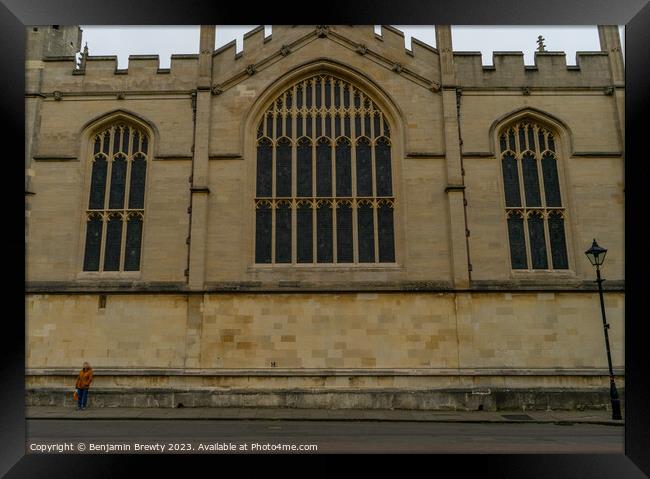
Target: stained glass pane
303, 161
337, 126
133, 244
537, 242
323, 169
531, 181
348, 128
357, 99
511, 140
98, 145
308, 125
386, 128
299, 125
283, 234
106, 142
357, 126
364, 169
511, 181
386, 234
319, 125
558, 241
304, 220
376, 125
118, 183
287, 125
299, 102
344, 250
269, 125
346, 96
328, 125
551, 143
145, 142
136, 189
264, 168
283, 169
517, 242
263, 234
289, 100
125, 140
93, 243
113, 243
531, 138
366, 234
337, 94
540, 137
98, 183
308, 95
383, 168
502, 143
328, 93
522, 138
324, 251
117, 140
551, 181
278, 126
366, 125
343, 168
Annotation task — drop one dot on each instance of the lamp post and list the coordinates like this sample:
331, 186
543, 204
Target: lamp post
596, 255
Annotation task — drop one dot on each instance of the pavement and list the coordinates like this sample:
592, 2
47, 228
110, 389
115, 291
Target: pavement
285, 414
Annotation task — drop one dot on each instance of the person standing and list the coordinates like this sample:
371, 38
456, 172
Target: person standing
84, 380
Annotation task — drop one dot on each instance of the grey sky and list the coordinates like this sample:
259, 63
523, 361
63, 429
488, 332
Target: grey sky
167, 40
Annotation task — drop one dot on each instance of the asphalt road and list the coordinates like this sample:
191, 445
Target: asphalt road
218, 437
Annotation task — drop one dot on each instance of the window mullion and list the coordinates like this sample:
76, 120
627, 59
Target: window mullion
547, 239
294, 206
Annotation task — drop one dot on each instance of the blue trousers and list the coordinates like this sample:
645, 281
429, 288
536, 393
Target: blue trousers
82, 398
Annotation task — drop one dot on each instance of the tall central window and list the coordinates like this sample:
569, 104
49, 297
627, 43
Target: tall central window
324, 189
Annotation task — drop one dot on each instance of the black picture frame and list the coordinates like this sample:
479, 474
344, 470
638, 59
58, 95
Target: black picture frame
635, 14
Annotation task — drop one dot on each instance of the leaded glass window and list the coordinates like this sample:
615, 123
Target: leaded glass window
115, 213
534, 211
324, 190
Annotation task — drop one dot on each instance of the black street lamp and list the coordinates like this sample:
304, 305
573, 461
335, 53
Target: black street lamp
596, 255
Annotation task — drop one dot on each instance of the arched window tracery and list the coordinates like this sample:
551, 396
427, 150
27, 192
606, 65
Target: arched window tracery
535, 213
115, 213
324, 192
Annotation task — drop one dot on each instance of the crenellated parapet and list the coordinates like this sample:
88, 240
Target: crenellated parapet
100, 74
549, 71
420, 64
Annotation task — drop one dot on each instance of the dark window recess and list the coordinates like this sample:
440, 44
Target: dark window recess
269, 125
324, 251
540, 137
551, 143
531, 138
551, 181
136, 142
145, 143
531, 181
383, 168
511, 140
308, 125
304, 177
264, 168
98, 184
328, 125
328, 93
98, 145
558, 241
364, 169
366, 125
386, 234
337, 126
323, 169
138, 176
299, 125
133, 242
118, 183
319, 125
344, 252
366, 234
502, 143
522, 138
278, 126
304, 234
538, 254
93, 243
283, 169
343, 168
117, 140
125, 141
386, 128
106, 144
337, 94
376, 125
357, 126
318, 93
113, 243
308, 95
511, 181
299, 102
517, 242
263, 234
289, 100
348, 128
287, 125
283, 234
346, 96
357, 100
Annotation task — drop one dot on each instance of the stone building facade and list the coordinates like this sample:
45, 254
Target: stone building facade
325, 219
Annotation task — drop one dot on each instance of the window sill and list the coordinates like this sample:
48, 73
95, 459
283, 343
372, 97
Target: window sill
114, 275
542, 273
324, 267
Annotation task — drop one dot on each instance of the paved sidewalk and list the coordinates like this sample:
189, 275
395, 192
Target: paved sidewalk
557, 417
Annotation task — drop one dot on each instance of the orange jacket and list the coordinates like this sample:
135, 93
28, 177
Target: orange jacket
84, 379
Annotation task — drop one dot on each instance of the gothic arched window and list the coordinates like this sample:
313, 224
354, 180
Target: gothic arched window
115, 212
534, 210
324, 189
